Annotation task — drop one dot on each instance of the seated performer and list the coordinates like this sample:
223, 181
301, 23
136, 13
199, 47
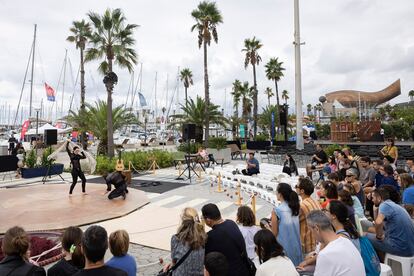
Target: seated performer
252, 165
118, 180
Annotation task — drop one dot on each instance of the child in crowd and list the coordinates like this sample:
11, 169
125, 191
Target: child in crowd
119, 245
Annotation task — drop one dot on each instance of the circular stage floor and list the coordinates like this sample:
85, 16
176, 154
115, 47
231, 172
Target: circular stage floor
48, 206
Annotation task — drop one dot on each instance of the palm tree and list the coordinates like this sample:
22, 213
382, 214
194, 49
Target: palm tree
269, 93
285, 96
186, 77
246, 93
309, 109
236, 97
194, 113
251, 46
265, 118
411, 95
111, 41
319, 109
207, 17
81, 30
94, 119
274, 71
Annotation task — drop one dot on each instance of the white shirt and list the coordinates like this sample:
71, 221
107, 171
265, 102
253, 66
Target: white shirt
339, 258
248, 233
279, 266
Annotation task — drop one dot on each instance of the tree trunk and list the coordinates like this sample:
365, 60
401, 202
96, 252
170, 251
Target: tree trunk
254, 103
277, 110
83, 136
268, 99
206, 96
109, 89
186, 105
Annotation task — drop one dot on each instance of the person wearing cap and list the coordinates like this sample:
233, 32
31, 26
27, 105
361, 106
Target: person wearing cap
75, 156
352, 178
118, 180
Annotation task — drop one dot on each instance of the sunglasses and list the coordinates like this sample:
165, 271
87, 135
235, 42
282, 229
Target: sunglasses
349, 175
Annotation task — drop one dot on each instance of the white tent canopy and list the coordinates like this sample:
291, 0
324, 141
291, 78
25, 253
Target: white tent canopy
41, 130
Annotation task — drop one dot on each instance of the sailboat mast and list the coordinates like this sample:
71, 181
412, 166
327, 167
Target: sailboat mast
63, 84
155, 95
32, 73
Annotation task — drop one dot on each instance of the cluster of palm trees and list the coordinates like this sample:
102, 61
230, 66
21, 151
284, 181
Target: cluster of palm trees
108, 39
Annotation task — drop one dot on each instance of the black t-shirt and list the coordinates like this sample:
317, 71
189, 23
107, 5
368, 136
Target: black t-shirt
227, 239
322, 155
101, 271
62, 268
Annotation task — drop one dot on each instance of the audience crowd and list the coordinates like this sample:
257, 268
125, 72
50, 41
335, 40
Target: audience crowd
342, 223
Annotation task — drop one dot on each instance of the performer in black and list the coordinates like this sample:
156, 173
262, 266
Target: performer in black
12, 141
75, 158
118, 180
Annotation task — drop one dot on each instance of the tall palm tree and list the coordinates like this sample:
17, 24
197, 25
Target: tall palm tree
319, 108
411, 95
236, 97
269, 93
186, 77
285, 95
81, 30
274, 71
111, 41
251, 47
309, 109
246, 94
207, 17
94, 119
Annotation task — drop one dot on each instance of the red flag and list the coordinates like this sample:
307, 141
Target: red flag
50, 93
25, 127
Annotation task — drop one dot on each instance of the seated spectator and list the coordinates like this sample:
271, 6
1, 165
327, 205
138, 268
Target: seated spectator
226, 238
94, 246
334, 178
330, 260
338, 214
407, 182
215, 264
352, 178
248, 228
272, 259
394, 230
344, 165
202, 154
409, 162
305, 189
388, 160
317, 161
388, 177
73, 259
356, 204
327, 192
289, 166
15, 247
332, 164
252, 165
366, 172
119, 245
285, 222
190, 236
410, 211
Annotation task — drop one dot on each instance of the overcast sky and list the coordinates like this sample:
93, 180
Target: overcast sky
350, 44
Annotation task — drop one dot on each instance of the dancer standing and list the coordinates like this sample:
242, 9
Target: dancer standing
75, 156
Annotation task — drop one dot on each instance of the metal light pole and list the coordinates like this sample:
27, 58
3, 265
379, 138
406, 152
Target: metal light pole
298, 81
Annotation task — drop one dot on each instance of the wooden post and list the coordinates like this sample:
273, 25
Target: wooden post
239, 199
219, 190
254, 204
179, 168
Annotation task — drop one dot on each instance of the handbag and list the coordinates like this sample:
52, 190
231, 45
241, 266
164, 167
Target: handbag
169, 272
249, 263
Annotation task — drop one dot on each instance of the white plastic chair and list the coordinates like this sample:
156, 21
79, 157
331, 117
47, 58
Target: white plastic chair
407, 263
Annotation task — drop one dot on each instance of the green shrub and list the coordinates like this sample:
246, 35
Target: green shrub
43, 161
261, 137
400, 129
323, 131
140, 160
217, 143
330, 149
189, 147
31, 159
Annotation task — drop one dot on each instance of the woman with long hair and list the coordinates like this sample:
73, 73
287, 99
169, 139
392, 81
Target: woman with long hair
328, 192
73, 259
15, 247
273, 261
406, 181
289, 166
190, 236
285, 222
247, 225
338, 213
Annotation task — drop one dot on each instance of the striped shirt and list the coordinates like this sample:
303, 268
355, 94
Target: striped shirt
307, 239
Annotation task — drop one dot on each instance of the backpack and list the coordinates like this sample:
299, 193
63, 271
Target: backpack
370, 258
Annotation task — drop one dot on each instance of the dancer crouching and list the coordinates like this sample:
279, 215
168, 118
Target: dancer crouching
118, 180
75, 156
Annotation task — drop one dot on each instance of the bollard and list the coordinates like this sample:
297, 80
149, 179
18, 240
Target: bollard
238, 193
219, 190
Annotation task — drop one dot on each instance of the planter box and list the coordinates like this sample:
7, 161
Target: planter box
37, 172
223, 153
